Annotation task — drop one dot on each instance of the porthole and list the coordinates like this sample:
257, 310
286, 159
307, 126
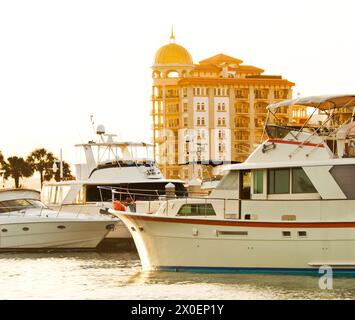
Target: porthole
133, 228
25, 229
3, 230
302, 233
286, 233
61, 227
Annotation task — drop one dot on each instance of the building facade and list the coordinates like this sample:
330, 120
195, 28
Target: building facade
210, 113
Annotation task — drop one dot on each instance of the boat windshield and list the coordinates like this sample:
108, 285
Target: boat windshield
20, 204
279, 132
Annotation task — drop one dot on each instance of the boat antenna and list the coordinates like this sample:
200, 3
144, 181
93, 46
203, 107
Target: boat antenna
92, 123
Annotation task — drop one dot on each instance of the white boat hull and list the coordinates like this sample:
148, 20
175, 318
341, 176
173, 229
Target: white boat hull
120, 231
187, 244
54, 234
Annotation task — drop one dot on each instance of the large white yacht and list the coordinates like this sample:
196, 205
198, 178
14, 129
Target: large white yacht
128, 166
290, 207
26, 223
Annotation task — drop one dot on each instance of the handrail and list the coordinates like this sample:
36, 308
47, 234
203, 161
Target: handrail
185, 200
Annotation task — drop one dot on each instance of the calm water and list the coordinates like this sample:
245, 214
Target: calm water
117, 276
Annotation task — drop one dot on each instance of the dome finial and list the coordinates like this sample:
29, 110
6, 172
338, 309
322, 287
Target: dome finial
172, 37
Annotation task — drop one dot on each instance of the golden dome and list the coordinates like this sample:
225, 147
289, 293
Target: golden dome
172, 53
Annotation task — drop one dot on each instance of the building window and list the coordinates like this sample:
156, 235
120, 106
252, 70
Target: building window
241, 93
300, 182
198, 106
261, 94
258, 181
279, 181
202, 106
220, 134
185, 107
185, 122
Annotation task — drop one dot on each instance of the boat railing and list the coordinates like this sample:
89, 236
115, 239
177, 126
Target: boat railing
82, 209
157, 202
23, 210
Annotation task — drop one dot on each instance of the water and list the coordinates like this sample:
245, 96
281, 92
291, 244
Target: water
93, 275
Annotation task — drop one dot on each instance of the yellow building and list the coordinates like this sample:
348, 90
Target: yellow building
210, 112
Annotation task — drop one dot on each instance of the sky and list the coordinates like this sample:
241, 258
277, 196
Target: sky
62, 61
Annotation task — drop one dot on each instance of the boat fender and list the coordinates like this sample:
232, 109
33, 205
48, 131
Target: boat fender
119, 206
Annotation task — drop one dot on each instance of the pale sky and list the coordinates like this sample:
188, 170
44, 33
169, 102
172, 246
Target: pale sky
61, 61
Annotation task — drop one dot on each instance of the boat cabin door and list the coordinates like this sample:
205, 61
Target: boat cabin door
244, 184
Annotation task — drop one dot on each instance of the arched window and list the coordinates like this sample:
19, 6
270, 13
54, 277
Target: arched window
173, 74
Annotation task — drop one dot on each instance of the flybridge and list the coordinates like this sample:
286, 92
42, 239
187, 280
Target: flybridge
108, 153
115, 144
328, 132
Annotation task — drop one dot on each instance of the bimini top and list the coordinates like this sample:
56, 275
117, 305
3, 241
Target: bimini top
320, 102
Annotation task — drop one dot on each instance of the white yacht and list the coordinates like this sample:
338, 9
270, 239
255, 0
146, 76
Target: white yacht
128, 166
26, 223
290, 207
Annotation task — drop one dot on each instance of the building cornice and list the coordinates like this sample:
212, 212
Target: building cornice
236, 81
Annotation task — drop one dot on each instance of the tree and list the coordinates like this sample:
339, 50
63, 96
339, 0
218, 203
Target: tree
2, 161
67, 175
42, 162
17, 168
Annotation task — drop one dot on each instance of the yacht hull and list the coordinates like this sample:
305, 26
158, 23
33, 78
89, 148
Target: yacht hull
185, 244
52, 234
120, 232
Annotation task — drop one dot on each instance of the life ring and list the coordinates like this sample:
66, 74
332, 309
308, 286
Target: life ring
119, 206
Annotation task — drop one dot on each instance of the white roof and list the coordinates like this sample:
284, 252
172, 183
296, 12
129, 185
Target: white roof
325, 102
105, 182
289, 164
12, 194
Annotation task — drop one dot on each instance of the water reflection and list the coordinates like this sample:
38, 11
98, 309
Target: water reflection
94, 275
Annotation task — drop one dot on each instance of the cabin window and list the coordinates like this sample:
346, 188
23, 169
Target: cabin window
301, 182
344, 175
197, 209
19, 204
229, 181
258, 182
279, 181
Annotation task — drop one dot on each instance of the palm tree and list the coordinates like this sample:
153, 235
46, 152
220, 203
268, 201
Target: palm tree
17, 168
67, 175
42, 161
1, 159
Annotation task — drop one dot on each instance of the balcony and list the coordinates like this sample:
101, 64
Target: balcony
244, 110
242, 125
